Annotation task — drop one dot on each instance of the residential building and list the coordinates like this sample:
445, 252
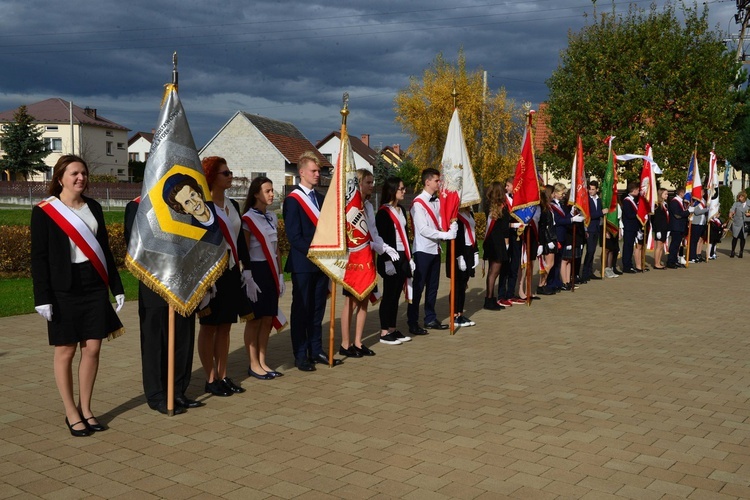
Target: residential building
393, 155
139, 146
254, 145
67, 128
364, 156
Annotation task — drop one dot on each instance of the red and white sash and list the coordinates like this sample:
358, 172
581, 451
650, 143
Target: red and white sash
632, 202
470, 237
225, 225
401, 233
307, 205
279, 321
429, 210
79, 232
557, 208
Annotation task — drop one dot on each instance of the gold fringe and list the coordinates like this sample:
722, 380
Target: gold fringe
247, 317
117, 333
341, 282
183, 308
206, 311
282, 327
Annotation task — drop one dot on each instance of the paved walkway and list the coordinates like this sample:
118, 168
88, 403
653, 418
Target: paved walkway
636, 387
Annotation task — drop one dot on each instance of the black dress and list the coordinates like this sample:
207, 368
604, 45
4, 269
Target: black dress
494, 242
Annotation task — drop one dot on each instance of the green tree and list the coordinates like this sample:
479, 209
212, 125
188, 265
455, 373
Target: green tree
492, 128
382, 171
24, 147
645, 76
410, 174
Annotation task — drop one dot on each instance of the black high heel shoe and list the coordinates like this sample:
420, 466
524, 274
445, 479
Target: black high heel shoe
78, 433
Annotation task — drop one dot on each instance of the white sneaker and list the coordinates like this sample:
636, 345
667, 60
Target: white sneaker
609, 273
682, 260
389, 339
400, 336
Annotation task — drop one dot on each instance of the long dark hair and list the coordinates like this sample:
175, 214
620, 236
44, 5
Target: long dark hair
390, 188
55, 184
254, 189
496, 199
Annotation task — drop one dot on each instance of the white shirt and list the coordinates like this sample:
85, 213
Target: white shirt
84, 213
235, 225
269, 229
400, 245
426, 235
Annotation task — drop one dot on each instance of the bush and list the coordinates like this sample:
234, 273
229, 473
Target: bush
726, 200
481, 220
15, 250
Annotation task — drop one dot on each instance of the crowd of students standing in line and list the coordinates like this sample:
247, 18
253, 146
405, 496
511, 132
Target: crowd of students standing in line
71, 281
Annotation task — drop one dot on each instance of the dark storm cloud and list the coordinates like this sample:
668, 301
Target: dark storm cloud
289, 60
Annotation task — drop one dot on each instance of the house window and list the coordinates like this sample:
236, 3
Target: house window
329, 157
53, 143
253, 175
145, 156
133, 156
51, 128
110, 133
120, 145
120, 171
109, 148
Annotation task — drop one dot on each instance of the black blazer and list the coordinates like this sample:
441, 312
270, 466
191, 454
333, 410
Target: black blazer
387, 230
660, 219
299, 231
678, 216
51, 269
630, 220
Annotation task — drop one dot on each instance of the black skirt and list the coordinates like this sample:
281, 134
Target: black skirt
230, 300
83, 312
268, 298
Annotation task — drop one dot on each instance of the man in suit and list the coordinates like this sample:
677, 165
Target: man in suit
630, 227
593, 231
678, 219
425, 214
301, 210
506, 285
153, 312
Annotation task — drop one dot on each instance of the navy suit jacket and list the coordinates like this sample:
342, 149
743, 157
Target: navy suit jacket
299, 231
678, 216
630, 220
595, 211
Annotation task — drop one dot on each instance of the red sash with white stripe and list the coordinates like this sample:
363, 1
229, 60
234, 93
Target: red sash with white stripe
558, 209
467, 227
79, 232
279, 321
408, 289
224, 225
307, 205
430, 212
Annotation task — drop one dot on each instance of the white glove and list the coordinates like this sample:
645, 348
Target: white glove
392, 253
390, 269
551, 245
413, 266
453, 227
691, 209
461, 263
639, 236
251, 288
658, 235
576, 218
45, 311
120, 299
476, 260
450, 234
205, 300
282, 285
539, 250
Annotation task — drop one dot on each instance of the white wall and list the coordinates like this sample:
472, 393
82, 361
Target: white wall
141, 147
332, 148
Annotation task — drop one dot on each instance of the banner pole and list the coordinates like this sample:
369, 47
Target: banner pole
604, 245
643, 249
332, 326
170, 363
529, 267
687, 244
453, 288
573, 261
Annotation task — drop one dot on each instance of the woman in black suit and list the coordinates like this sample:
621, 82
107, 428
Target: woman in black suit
390, 222
660, 226
72, 267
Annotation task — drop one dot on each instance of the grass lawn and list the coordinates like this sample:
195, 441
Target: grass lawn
22, 216
17, 294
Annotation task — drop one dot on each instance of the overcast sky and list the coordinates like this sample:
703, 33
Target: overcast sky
285, 59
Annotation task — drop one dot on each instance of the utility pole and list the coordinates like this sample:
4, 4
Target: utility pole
742, 17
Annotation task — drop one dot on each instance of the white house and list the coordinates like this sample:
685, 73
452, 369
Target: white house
70, 129
255, 145
139, 146
364, 156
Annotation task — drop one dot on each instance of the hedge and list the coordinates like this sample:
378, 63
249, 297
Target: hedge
15, 245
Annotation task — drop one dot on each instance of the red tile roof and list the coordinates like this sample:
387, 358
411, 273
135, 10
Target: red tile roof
286, 138
56, 110
541, 128
148, 136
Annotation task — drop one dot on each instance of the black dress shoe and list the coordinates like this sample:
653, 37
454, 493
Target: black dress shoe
436, 325
616, 271
76, 432
275, 373
418, 330
364, 350
232, 386
672, 266
94, 426
630, 271
323, 358
595, 277
351, 352
184, 402
304, 365
162, 408
217, 388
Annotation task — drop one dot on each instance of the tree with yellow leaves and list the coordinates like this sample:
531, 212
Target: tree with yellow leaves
424, 111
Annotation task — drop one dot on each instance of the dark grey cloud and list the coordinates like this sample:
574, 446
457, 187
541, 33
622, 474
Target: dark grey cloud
289, 60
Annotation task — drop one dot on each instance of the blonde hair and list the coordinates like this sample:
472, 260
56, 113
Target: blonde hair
560, 188
308, 156
741, 194
362, 174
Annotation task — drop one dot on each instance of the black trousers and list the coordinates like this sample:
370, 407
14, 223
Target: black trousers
426, 276
506, 287
628, 244
696, 231
392, 290
154, 322
674, 247
309, 296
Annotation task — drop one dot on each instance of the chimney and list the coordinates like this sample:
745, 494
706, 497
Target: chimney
90, 112
397, 149
366, 139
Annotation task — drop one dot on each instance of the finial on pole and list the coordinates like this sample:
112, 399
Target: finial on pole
345, 109
174, 69
528, 111
455, 95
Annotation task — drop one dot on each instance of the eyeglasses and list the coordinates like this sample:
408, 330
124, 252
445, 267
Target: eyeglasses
226, 173
401, 189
